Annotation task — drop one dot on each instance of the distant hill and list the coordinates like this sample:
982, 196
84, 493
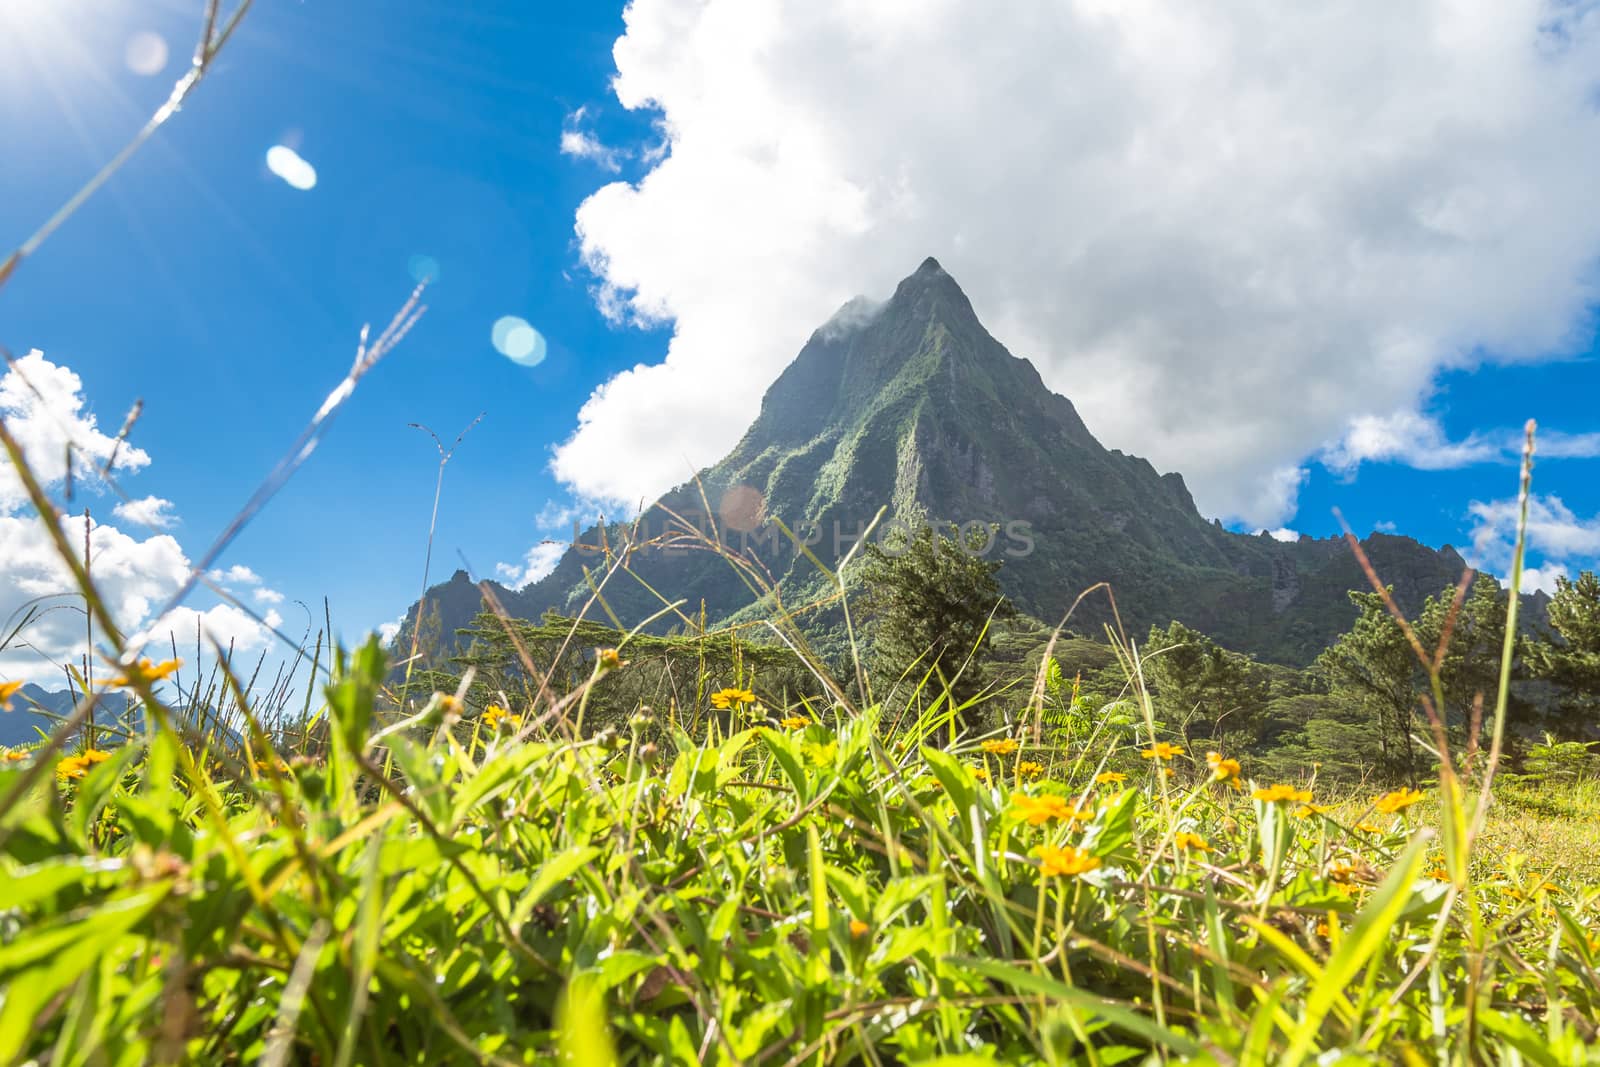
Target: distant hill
912, 405
17, 724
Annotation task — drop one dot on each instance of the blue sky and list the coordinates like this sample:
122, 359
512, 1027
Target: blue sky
230, 301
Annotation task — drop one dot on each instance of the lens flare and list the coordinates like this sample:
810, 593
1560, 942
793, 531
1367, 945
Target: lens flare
518, 341
286, 163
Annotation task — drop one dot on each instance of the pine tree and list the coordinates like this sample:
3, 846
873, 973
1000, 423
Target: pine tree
1572, 661
932, 599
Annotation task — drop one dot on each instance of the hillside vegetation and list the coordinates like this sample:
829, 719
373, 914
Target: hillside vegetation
766, 867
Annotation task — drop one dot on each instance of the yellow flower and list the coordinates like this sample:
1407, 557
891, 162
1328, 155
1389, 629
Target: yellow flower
1162, 750
1369, 828
1439, 874
1342, 872
144, 672
262, 765
793, 722
14, 756
78, 766
494, 716
449, 702
7, 691
980, 774
1275, 793
1029, 769
1398, 800
1000, 747
724, 699
1192, 842
1222, 769
1110, 778
1324, 930
1166, 772
610, 659
1064, 861
1036, 811
1305, 811
858, 928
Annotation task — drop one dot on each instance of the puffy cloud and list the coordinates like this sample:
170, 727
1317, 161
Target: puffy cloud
238, 574
44, 408
264, 595
151, 511
1557, 538
223, 625
1407, 437
1539, 579
133, 577
1271, 218
581, 143
540, 561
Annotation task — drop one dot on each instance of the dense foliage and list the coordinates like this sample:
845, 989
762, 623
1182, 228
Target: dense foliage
472, 883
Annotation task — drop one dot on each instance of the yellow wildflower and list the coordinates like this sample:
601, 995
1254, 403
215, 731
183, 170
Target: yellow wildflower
496, 717
1221, 768
724, 699
610, 659
1305, 811
1193, 842
980, 774
858, 928
1162, 750
144, 672
1398, 800
1064, 861
1369, 828
1439, 874
1029, 769
795, 722
1277, 792
78, 766
1110, 778
278, 765
1342, 872
14, 756
7, 691
999, 747
1036, 811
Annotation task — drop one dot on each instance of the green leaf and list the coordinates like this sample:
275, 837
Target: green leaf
956, 778
1373, 926
1083, 1001
581, 1032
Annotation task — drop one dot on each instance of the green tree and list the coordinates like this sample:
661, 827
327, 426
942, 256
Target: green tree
1213, 694
1373, 665
1571, 662
931, 600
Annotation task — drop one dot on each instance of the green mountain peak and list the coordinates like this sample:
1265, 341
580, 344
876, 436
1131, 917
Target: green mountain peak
910, 405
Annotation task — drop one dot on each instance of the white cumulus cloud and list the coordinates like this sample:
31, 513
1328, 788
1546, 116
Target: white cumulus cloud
1558, 540
44, 406
150, 511
540, 561
1225, 231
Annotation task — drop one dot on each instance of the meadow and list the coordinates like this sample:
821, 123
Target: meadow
392, 876
864, 866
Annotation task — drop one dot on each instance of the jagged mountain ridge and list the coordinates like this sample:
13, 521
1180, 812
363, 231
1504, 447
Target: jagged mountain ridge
912, 405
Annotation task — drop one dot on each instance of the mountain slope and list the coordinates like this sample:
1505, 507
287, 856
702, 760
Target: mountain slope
911, 405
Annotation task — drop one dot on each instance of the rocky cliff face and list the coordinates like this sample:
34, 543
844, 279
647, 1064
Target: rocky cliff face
911, 406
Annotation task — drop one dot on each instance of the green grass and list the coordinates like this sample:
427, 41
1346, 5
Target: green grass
426, 889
